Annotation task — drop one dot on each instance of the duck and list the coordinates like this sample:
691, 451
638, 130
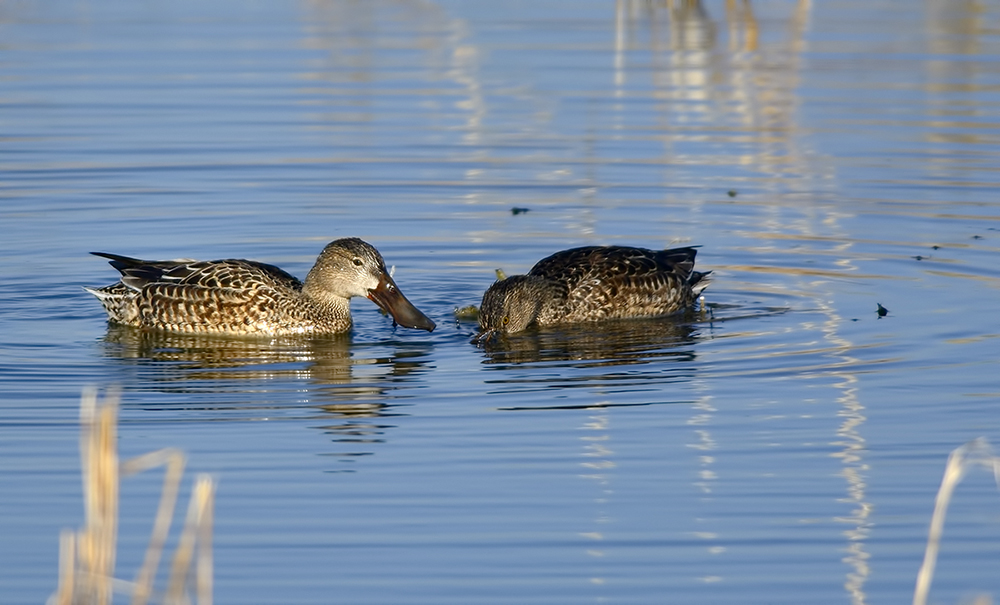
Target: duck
250, 298
591, 284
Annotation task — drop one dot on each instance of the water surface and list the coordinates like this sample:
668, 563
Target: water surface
783, 446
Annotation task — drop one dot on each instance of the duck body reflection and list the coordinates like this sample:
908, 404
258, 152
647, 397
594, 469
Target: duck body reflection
346, 390
201, 358
642, 361
322, 369
249, 298
611, 343
593, 283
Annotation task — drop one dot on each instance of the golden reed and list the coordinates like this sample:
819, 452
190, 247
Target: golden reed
87, 556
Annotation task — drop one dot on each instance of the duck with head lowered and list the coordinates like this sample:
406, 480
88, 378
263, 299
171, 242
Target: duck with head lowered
247, 298
590, 284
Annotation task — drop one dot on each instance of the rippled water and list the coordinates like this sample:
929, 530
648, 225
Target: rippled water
782, 446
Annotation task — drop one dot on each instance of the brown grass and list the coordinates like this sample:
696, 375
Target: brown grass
87, 556
971, 455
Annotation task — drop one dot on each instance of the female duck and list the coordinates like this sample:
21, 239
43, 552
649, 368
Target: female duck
591, 284
243, 297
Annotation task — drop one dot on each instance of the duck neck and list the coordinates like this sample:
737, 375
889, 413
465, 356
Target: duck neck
546, 298
323, 301
533, 298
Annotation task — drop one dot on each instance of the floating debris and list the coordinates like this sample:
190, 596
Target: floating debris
501, 275
918, 257
471, 313
882, 311
515, 210
732, 193
935, 247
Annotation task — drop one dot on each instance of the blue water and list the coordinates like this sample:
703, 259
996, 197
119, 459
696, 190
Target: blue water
784, 446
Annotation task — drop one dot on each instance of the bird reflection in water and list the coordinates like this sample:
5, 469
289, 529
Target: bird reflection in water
322, 371
631, 358
207, 357
608, 343
345, 389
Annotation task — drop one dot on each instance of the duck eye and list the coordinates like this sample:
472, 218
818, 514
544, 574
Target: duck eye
505, 320
357, 262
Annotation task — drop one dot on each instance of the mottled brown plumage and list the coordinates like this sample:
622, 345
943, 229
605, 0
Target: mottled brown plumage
245, 297
593, 283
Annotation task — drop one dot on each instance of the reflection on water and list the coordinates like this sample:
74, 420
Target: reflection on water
816, 150
196, 352
609, 343
350, 396
598, 467
618, 342
183, 357
738, 108
615, 356
852, 449
344, 380
630, 355
356, 435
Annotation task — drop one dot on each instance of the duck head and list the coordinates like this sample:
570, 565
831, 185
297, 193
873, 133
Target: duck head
510, 305
349, 268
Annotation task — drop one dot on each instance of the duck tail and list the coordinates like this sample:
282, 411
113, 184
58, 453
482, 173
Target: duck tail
98, 292
698, 281
117, 300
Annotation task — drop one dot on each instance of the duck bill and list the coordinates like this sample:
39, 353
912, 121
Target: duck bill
388, 297
485, 337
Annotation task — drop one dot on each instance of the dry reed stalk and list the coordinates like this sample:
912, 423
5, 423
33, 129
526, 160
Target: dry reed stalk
205, 570
174, 460
67, 565
99, 458
974, 453
199, 517
87, 557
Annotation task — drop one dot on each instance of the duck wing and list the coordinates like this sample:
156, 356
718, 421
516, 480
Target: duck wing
234, 274
616, 262
622, 281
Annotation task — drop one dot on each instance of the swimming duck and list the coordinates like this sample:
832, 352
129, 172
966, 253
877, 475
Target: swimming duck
244, 297
591, 284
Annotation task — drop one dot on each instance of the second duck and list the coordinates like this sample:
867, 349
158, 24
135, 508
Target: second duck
590, 284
